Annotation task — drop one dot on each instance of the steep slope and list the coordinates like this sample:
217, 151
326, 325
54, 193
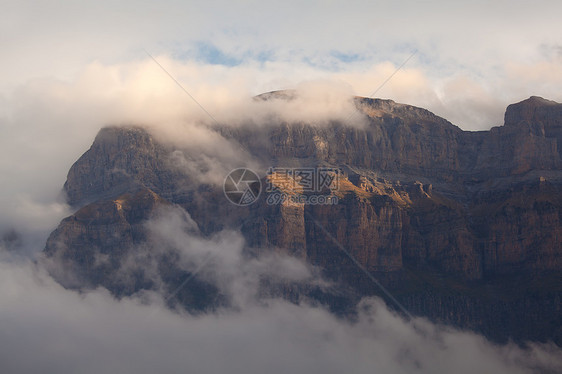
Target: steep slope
463, 227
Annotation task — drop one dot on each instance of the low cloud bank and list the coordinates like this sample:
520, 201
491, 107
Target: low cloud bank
46, 328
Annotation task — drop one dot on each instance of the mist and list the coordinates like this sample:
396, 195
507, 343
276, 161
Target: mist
69, 69
48, 121
46, 328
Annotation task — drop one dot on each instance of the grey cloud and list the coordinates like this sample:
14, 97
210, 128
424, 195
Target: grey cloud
452, 38
46, 328
69, 69
221, 260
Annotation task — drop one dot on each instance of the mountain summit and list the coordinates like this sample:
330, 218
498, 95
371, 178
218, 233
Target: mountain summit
461, 227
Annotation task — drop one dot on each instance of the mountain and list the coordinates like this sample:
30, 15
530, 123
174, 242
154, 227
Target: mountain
462, 227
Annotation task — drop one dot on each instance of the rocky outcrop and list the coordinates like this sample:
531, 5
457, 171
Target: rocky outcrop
447, 220
91, 245
122, 160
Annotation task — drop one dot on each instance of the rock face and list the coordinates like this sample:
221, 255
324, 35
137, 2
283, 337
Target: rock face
462, 227
104, 231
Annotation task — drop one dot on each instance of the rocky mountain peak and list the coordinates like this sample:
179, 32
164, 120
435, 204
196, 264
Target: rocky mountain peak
277, 95
534, 108
449, 220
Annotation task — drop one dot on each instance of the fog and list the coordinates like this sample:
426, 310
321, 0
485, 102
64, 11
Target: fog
46, 328
69, 69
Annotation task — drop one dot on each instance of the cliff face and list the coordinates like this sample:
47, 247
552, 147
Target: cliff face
447, 220
91, 245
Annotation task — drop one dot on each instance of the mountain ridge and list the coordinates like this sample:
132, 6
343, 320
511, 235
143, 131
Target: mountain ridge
432, 211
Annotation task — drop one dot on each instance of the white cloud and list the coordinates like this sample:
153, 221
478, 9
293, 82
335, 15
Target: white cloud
46, 328
49, 122
52, 329
299, 40
220, 260
69, 69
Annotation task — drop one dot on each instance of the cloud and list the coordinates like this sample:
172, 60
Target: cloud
68, 70
49, 122
46, 328
221, 259
53, 329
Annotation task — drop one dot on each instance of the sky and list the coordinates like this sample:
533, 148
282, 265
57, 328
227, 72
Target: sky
69, 68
